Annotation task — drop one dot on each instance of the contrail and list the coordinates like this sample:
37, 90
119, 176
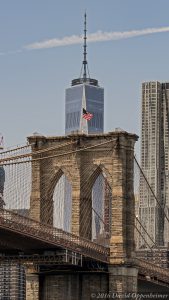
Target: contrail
11, 52
98, 36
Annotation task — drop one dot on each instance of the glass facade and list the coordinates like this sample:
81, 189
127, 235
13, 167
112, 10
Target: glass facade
92, 99
73, 105
95, 105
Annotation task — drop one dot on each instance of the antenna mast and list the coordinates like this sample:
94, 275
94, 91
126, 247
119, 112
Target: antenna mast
84, 71
84, 52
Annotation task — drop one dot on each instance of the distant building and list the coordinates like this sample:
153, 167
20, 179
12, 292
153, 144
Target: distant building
155, 162
84, 93
12, 281
137, 227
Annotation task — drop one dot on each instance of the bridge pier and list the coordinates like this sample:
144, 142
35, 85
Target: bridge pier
32, 283
88, 285
74, 286
60, 286
123, 279
94, 284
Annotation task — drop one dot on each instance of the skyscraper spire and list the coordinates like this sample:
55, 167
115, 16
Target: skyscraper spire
84, 51
84, 72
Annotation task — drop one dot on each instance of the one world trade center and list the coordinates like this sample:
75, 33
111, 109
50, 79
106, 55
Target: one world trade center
84, 94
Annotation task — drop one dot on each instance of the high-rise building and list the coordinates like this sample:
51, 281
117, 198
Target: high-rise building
155, 162
85, 93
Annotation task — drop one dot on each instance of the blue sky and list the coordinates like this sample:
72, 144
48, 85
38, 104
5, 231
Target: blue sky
33, 79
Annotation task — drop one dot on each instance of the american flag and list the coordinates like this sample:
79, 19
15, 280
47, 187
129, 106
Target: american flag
86, 115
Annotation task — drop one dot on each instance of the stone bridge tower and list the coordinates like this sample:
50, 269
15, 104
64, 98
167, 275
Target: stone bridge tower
111, 154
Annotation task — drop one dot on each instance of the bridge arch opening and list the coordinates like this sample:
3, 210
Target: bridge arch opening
56, 204
101, 209
62, 204
96, 207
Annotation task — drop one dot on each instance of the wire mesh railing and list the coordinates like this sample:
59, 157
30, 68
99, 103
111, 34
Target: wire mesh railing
51, 235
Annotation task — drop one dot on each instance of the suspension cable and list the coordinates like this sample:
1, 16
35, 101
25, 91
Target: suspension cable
52, 156
151, 189
146, 231
143, 237
15, 149
35, 153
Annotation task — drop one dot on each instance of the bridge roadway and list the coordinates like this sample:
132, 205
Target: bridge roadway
20, 233
23, 233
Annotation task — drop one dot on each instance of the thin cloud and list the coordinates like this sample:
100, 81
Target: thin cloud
11, 52
14, 51
98, 36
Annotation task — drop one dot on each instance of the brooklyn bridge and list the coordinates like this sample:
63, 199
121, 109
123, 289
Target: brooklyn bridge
68, 220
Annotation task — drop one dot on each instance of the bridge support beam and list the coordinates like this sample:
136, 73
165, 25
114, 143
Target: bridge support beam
32, 283
123, 279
